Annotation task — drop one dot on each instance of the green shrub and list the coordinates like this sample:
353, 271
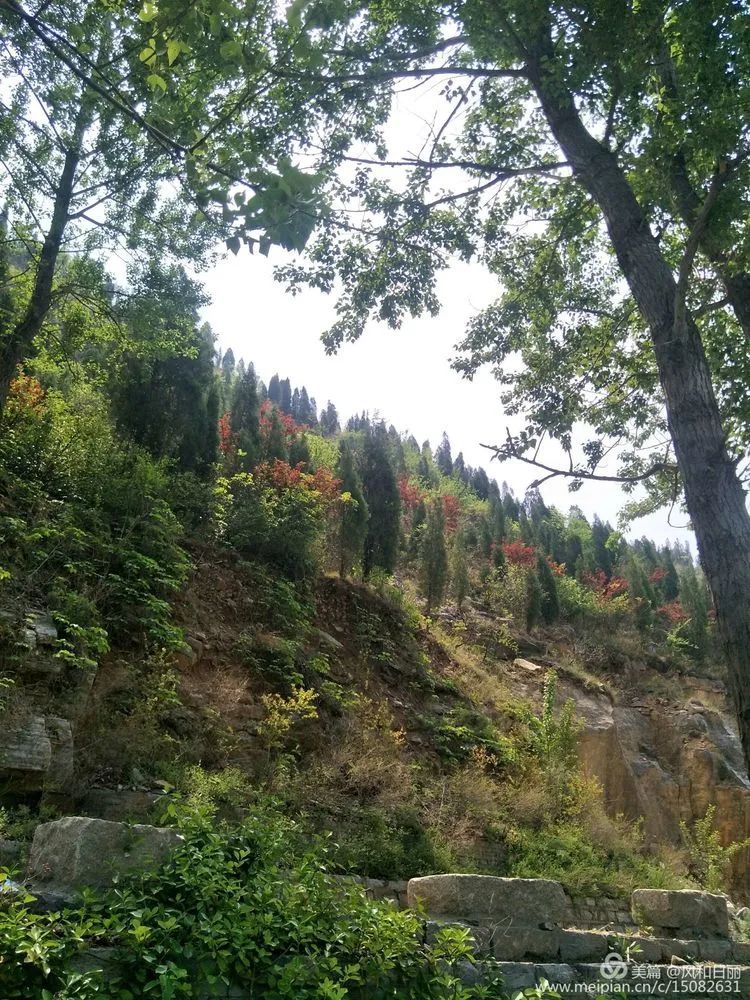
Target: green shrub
248, 907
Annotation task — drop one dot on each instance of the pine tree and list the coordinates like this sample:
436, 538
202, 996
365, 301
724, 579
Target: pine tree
380, 489
227, 366
295, 407
548, 584
443, 457
642, 592
670, 585
418, 519
433, 558
534, 600
354, 513
480, 483
459, 468
329, 421
459, 569
244, 416
285, 396
274, 390
274, 441
695, 600
299, 451
497, 512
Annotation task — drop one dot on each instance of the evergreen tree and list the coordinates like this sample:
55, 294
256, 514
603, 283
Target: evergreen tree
670, 585
573, 555
295, 407
459, 468
227, 366
274, 390
534, 600
274, 440
354, 513
642, 592
329, 421
380, 489
433, 558
306, 412
695, 601
299, 451
244, 418
480, 483
550, 601
497, 513
285, 396
602, 555
459, 569
443, 457
418, 519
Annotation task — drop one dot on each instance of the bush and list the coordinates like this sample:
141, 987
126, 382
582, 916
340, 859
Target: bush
249, 908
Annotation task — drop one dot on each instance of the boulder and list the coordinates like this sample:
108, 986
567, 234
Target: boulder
78, 851
512, 902
531, 668
698, 914
36, 754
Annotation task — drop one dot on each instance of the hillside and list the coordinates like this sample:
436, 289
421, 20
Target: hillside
508, 690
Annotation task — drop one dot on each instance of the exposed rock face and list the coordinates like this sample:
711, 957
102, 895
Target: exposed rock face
36, 754
686, 913
668, 764
520, 902
77, 851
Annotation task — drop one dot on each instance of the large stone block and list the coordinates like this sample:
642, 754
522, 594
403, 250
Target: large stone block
36, 754
694, 914
77, 851
510, 902
515, 944
583, 946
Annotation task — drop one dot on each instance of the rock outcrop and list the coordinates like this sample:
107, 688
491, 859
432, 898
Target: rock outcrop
36, 755
667, 763
77, 851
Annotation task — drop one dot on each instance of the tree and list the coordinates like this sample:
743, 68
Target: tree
273, 438
694, 600
245, 417
443, 458
534, 600
165, 400
354, 513
329, 421
274, 390
620, 128
154, 130
285, 396
381, 494
433, 558
459, 568
550, 602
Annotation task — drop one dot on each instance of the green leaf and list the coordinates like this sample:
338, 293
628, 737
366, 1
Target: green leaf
234, 244
148, 12
174, 48
156, 82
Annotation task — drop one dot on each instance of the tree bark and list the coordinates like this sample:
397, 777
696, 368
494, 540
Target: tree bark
19, 343
714, 495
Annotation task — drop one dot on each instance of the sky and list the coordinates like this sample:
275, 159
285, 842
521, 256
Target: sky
405, 375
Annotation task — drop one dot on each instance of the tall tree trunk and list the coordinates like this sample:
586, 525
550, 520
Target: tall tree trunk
18, 344
713, 492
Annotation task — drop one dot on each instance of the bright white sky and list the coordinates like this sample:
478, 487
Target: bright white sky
405, 376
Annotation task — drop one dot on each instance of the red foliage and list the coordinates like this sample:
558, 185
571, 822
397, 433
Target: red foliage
283, 476
673, 612
410, 493
605, 588
558, 569
658, 575
451, 510
227, 439
290, 426
518, 554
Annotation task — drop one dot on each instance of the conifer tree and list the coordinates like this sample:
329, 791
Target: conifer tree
285, 396
354, 513
274, 443
433, 558
380, 489
244, 416
274, 390
295, 407
498, 522
459, 468
534, 600
459, 568
329, 420
443, 457
550, 601
695, 601
227, 366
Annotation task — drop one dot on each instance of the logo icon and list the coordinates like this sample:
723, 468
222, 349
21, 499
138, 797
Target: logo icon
614, 967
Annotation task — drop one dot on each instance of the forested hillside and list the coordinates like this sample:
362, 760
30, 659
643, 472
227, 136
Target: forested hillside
301, 648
